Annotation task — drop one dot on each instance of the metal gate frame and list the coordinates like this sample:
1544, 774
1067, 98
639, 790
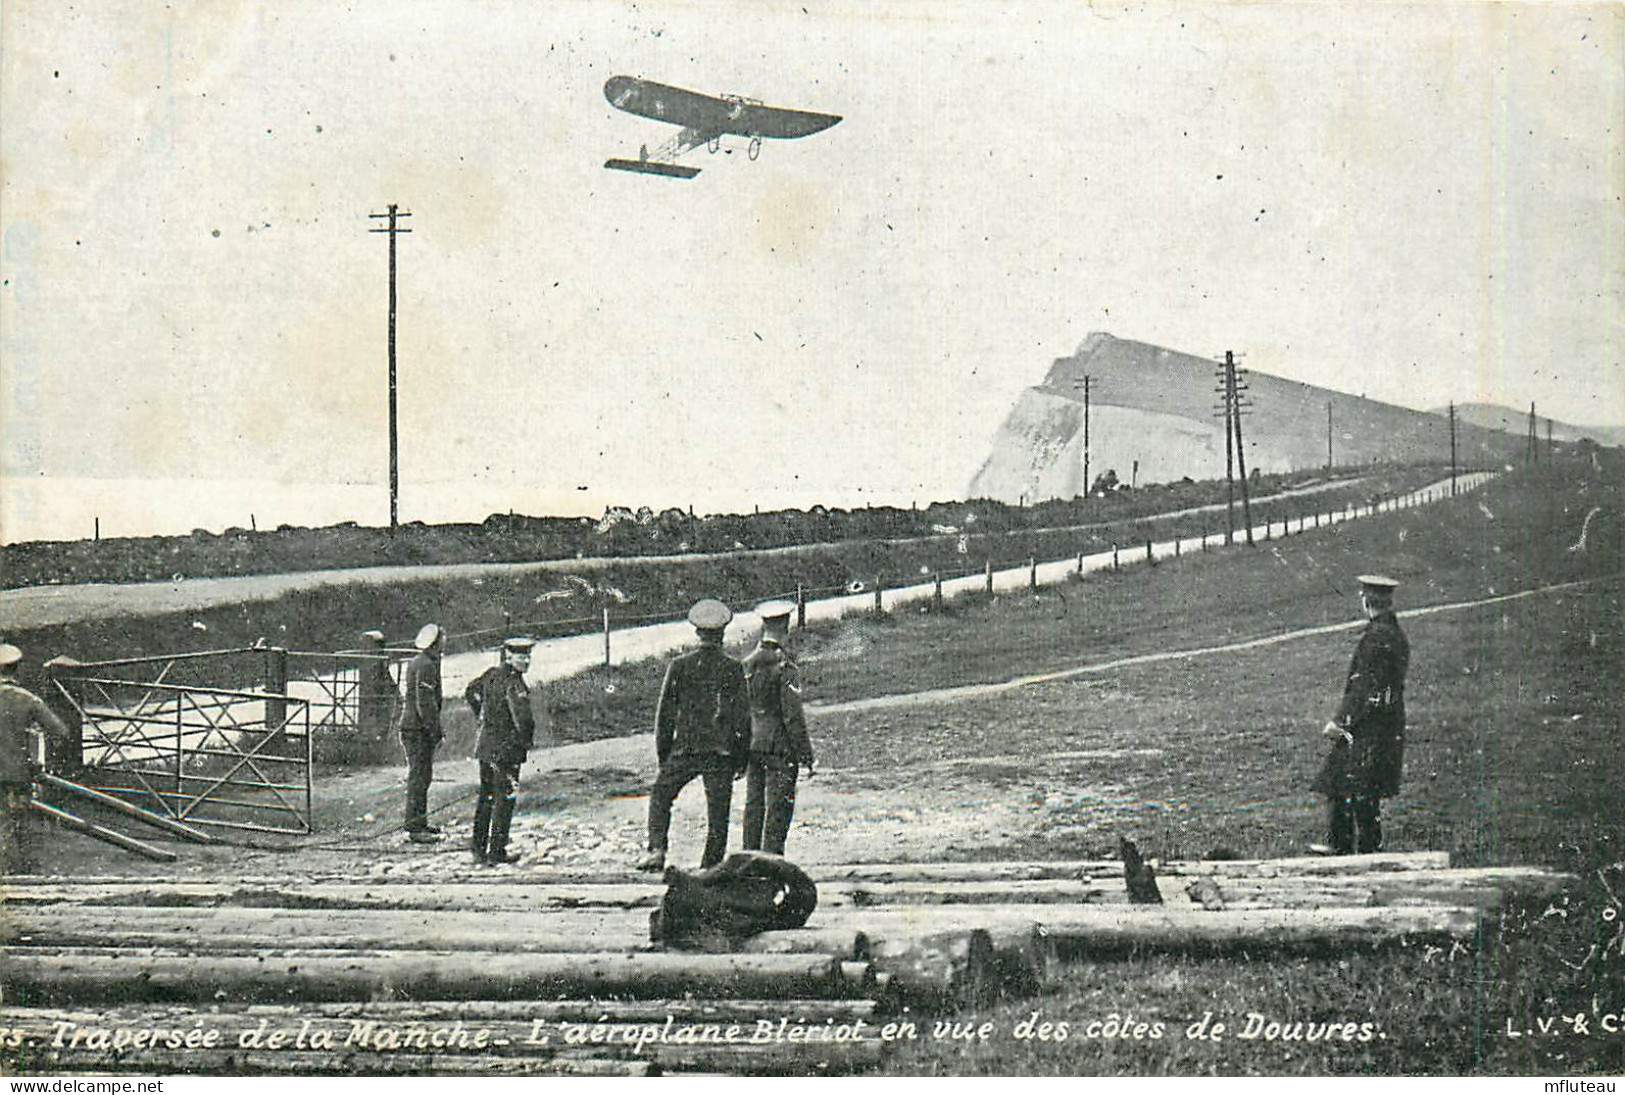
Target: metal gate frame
190, 752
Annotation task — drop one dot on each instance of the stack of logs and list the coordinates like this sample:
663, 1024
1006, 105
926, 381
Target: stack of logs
540, 961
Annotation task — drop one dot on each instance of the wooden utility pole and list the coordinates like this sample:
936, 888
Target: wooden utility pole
394, 436
1236, 388
1229, 456
1452, 450
1548, 440
1328, 435
1083, 382
1531, 453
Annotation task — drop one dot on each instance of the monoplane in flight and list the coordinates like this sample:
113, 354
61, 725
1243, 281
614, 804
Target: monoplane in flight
705, 119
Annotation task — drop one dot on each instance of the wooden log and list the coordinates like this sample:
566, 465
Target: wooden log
75, 974
146, 817
102, 833
1116, 928
227, 930
821, 873
945, 968
233, 1061
41, 1020
1293, 890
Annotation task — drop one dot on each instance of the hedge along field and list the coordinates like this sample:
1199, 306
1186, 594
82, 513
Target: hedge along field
478, 611
517, 538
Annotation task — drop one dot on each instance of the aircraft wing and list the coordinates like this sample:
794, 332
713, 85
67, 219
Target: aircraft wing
709, 114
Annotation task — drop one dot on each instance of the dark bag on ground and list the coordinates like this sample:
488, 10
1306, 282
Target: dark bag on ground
747, 893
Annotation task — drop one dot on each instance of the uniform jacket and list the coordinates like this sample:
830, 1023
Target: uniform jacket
420, 707
501, 701
20, 709
703, 711
1373, 711
777, 725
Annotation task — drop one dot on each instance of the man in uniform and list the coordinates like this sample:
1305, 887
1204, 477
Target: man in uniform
501, 702
420, 730
1368, 731
779, 745
376, 696
20, 709
702, 728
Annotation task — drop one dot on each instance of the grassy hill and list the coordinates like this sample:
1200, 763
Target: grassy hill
1493, 416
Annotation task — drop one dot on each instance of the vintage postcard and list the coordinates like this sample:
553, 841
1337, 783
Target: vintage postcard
811, 539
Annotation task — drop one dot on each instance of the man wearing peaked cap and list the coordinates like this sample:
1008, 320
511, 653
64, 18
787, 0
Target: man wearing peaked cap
376, 694
501, 702
710, 615
20, 710
779, 745
420, 730
1368, 731
702, 728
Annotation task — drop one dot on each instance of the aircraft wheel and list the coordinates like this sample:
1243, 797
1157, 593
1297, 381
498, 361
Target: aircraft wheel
755, 147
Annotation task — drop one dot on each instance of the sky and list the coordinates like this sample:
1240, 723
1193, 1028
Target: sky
1417, 203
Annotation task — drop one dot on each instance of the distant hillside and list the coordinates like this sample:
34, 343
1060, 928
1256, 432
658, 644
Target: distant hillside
1156, 407
1493, 416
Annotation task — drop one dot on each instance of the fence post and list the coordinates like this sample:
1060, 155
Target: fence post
1114, 556
1176, 545
1204, 539
880, 588
1149, 558
1032, 572
936, 593
801, 606
606, 636
990, 575
1080, 563
65, 696
276, 684
1267, 527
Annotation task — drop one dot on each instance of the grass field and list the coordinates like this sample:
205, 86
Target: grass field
1513, 755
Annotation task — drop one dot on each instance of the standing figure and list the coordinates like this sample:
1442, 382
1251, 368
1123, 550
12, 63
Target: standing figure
420, 730
702, 728
1368, 731
501, 702
779, 745
376, 696
20, 710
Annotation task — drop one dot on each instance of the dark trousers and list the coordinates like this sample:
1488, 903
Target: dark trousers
419, 748
678, 772
16, 829
770, 800
499, 789
1355, 824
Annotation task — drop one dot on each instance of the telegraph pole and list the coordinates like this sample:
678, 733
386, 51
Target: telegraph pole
1085, 385
1241, 454
1532, 452
1328, 435
394, 437
1452, 450
1548, 440
1229, 456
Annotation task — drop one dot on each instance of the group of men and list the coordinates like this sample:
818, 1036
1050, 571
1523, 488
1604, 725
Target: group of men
717, 718
500, 699
720, 719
